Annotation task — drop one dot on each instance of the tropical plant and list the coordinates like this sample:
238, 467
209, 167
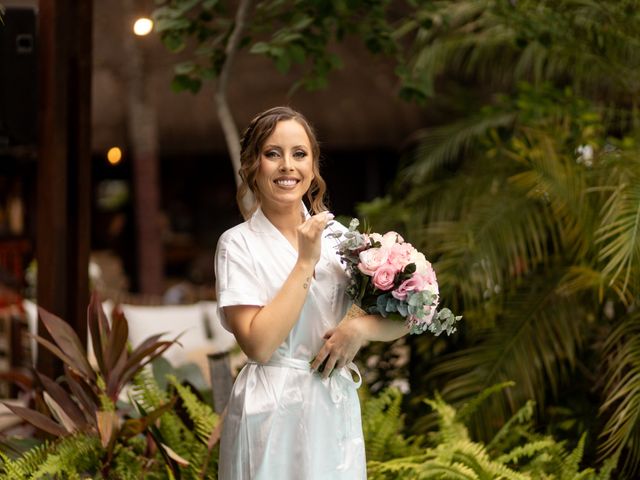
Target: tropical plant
516, 452
100, 434
536, 232
530, 205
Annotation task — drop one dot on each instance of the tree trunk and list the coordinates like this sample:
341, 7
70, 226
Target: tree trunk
142, 129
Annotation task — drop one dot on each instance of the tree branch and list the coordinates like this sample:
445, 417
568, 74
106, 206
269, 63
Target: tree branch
225, 116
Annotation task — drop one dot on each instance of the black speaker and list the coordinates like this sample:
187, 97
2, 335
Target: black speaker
18, 78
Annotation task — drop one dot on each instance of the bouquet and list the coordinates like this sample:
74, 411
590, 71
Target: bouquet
388, 276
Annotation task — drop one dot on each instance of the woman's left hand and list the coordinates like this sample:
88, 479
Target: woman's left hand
341, 346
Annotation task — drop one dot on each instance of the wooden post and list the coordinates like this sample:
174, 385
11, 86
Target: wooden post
64, 164
142, 126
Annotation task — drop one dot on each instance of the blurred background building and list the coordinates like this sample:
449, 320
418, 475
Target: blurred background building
188, 179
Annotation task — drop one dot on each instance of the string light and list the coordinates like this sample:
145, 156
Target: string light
143, 26
114, 155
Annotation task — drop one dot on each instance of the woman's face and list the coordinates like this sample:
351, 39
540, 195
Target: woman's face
286, 166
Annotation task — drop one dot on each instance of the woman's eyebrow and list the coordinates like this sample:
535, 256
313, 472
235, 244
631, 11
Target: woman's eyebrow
271, 147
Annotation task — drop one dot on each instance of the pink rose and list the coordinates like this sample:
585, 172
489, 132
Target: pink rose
400, 255
416, 283
375, 237
384, 277
372, 259
391, 238
422, 265
429, 276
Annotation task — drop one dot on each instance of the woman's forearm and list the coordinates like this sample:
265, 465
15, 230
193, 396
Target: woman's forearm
260, 337
375, 328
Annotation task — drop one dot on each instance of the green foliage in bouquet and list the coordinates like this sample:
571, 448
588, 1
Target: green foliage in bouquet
516, 452
99, 434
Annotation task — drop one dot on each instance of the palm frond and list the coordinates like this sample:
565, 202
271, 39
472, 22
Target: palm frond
535, 345
621, 406
442, 145
594, 45
618, 236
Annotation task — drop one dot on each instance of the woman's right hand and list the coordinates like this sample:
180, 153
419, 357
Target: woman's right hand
310, 237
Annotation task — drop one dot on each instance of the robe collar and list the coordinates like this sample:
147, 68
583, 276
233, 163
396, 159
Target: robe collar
260, 223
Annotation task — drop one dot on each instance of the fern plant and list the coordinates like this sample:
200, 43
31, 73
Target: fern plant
515, 453
383, 424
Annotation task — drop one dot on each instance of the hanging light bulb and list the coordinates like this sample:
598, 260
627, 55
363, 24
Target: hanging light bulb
143, 26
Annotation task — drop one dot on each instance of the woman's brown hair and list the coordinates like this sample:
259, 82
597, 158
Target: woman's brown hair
253, 139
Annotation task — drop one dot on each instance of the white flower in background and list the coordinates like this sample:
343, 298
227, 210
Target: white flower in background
585, 155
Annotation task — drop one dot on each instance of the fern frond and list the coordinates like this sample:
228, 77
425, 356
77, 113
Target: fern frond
571, 463
502, 439
71, 457
26, 464
528, 450
146, 391
471, 406
201, 414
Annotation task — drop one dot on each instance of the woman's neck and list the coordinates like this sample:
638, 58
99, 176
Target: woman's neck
285, 220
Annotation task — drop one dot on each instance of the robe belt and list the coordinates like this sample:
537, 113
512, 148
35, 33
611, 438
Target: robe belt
339, 381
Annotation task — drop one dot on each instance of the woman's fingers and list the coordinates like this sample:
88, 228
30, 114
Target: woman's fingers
310, 235
329, 366
320, 358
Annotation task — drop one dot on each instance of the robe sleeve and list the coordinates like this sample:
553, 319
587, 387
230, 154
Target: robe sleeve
236, 280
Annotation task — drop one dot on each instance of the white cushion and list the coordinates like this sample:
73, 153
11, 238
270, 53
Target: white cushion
145, 321
221, 340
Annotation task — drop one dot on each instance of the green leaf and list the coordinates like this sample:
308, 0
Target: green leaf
184, 68
302, 23
297, 53
181, 83
209, 4
168, 26
173, 41
283, 63
260, 48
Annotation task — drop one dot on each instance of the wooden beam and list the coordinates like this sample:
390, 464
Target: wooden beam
64, 164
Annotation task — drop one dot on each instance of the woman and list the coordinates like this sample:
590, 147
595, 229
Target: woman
280, 289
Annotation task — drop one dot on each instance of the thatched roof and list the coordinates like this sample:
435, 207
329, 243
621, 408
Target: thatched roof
360, 107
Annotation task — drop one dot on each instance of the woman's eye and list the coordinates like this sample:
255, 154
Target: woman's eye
300, 154
271, 154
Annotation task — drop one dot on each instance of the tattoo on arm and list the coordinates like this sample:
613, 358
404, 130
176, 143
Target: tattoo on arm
305, 285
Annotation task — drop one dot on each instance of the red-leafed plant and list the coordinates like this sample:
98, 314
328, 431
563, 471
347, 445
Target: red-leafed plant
84, 401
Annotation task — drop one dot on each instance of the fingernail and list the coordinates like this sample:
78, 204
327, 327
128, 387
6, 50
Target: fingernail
330, 215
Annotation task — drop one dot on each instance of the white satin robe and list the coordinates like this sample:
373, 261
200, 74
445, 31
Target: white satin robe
283, 421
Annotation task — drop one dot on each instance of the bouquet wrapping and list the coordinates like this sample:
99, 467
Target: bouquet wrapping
388, 276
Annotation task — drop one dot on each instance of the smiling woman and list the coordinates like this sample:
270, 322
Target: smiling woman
286, 166
281, 291
261, 141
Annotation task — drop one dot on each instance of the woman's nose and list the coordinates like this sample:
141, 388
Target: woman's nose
286, 164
